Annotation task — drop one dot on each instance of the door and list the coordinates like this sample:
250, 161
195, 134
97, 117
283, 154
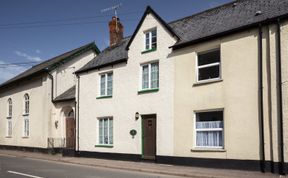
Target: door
70, 133
149, 136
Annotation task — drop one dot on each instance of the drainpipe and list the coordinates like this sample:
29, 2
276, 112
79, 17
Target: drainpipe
279, 87
260, 100
52, 87
78, 99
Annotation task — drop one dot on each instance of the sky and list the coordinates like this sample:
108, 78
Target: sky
32, 31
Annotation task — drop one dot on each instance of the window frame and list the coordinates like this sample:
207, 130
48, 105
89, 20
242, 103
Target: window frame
207, 129
197, 67
26, 105
109, 118
150, 48
149, 76
106, 84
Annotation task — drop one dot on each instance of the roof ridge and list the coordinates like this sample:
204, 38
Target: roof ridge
205, 11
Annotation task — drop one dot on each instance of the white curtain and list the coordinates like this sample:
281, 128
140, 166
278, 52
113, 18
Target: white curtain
209, 134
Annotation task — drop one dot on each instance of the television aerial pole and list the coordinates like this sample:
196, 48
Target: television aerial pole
113, 8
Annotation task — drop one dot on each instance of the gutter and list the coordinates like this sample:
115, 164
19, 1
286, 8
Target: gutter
279, 87
77, 102
260, 100
52, 87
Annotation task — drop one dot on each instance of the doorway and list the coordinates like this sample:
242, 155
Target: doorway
149, 136
70, 130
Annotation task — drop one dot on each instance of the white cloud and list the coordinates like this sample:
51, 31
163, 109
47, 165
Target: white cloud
27, 56
9, 72
37, 51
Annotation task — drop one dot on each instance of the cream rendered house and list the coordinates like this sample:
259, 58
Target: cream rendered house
37, 107
206, 90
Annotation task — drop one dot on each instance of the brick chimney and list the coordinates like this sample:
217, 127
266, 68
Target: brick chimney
116, 31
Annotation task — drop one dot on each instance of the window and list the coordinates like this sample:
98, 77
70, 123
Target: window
209, 129
26, 116
150, 76
106, 131
9, 118
106, 84
208, 65
151, 39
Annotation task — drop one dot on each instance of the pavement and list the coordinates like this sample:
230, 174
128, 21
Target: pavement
140, 167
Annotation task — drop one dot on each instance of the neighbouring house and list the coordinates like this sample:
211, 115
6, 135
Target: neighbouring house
37, 107
206, 90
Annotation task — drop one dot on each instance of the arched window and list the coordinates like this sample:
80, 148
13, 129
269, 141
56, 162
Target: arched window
9, 118
26, 116
26, 104
9, 114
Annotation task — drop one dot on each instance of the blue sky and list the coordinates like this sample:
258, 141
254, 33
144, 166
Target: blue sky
37, 30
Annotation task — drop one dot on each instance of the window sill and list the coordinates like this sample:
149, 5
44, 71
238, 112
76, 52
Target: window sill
8, 136
149, 50
104, 146
25, 137
148, 91
205, 82
25, 114
102, 97
208, 150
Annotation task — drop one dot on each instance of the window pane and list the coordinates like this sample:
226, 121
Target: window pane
109, 84
110, 131
154, 39
208, 58
145, 77
105, 131
147, 40
209, 72
103, 86
100, 131
154, 75
209, 138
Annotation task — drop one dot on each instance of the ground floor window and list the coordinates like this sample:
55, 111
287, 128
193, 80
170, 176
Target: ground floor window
106, 131
209, 129
26, 126
9, 127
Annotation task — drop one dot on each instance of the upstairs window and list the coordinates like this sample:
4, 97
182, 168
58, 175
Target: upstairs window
151, 39
9, 113
9, 118
150, 76
26, 104
208, 65
209, 129
106, 84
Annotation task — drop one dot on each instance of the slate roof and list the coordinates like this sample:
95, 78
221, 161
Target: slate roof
108, 56
67, 95
50, 64
230, 16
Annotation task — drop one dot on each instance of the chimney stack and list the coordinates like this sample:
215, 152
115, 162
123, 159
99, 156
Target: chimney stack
116, 31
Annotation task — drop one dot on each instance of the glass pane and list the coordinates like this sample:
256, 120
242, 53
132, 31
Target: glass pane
110, 131
154, 39
209, 138
209, 124
105, 131
145, 77
208, 58
103, 86
209, 116
154, 75
209, 73
101, 131
109, 84
147, 41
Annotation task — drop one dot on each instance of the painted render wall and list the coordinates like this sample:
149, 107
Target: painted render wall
237, 94
126, 101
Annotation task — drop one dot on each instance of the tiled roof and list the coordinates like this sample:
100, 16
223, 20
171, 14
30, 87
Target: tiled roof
234, 15
108, 56
50, 64
67, 95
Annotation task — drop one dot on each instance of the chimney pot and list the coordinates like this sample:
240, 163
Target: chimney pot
115, 30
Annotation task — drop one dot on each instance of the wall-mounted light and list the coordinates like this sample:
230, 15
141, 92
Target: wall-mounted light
137, 116
56, 124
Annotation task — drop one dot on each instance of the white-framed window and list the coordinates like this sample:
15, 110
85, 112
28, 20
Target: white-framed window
26, 115
9, 118
105, 127
208, 65
209, 130
150, 39
106, 84
150, 76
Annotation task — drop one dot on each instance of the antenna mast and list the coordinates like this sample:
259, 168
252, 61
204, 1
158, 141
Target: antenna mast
113, 8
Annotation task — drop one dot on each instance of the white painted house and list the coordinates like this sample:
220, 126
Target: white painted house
37, 107
206, 90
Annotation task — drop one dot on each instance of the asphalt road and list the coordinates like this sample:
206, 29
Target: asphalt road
21, 167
